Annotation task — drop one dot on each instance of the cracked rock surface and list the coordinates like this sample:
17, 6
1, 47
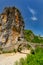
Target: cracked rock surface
11, 28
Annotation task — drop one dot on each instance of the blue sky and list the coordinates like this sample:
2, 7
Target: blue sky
31, 10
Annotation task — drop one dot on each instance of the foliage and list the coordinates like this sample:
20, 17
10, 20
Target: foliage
36, 40
33, 59
29, 36
36, 57
9, 51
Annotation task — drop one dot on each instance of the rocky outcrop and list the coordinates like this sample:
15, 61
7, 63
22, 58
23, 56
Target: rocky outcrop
11, 27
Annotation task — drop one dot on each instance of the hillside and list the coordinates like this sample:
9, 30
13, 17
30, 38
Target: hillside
31, 37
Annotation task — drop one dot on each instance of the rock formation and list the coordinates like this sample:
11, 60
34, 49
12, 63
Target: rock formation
11, 27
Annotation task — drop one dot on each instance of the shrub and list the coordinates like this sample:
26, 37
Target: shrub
33, 59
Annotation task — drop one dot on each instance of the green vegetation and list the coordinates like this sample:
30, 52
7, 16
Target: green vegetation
29, 36
7, 51
36, 56
32, 59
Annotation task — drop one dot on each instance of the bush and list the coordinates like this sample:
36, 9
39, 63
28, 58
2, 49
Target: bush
33, 59
16, 63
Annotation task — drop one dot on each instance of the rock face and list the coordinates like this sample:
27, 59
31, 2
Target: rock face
11, 27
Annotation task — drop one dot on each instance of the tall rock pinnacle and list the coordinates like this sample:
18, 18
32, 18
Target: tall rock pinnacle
11, 26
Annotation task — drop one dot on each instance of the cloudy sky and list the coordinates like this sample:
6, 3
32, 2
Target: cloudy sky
31, 10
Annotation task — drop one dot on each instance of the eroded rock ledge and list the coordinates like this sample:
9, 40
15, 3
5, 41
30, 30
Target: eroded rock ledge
11, 28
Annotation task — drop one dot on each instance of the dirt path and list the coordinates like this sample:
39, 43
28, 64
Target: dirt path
10, 58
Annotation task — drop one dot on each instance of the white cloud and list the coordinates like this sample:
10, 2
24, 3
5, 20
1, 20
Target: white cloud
34, 18
32, 11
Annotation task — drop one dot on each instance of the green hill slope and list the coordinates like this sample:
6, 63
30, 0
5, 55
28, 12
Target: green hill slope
31, 37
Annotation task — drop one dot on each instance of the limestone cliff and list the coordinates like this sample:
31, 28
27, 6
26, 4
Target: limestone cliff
11, 26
